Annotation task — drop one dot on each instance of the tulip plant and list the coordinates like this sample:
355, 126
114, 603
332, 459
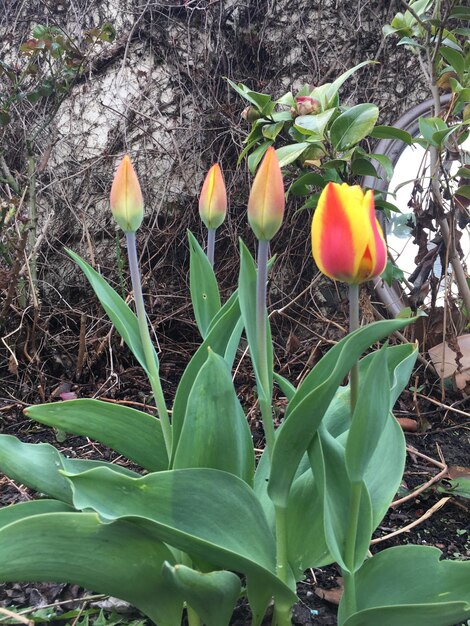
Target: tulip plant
200, 524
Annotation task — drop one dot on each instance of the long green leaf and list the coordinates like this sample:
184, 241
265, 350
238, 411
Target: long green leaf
327, 458
203, 285
136, 435
311, 400
220, 336
369, 417
17, 512
212, 595
203, 512
119, 559
38, 466
123, 318
215, 432
410, 585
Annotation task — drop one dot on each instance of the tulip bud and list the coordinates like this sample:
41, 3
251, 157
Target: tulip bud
307, 105
266, 202
250, 114
347, 241
213, 198
126, 199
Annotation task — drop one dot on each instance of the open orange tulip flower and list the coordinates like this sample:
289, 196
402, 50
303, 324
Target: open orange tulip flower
267, 201
347, 241
126, 199
213, 198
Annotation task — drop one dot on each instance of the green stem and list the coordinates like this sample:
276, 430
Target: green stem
354, 325
264, 392
150, 359
211, 245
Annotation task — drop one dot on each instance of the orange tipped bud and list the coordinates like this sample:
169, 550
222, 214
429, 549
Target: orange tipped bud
267, 201
347, 241
213, 198
126, 199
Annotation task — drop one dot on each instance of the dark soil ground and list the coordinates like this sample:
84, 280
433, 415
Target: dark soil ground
446, 440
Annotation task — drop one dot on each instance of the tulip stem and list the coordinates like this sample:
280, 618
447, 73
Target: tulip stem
354, 325
265, 385
149, 352
210, 245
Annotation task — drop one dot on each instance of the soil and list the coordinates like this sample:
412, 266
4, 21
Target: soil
446, 439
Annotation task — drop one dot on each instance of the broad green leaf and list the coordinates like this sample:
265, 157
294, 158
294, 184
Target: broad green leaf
134, 434
385, 162
441, 135
219, 337
410, 585
311, 400
454, 58
363, 167
288, 154
203, 285
305, 527
353, 125
117, 310
314, 124
215, 432
390, 132
337, 493
247, 294
302, 186
213, 595
204, 512
38, 466
287, 99
118, 559
430, 125
271, 131
369, 418
16, 512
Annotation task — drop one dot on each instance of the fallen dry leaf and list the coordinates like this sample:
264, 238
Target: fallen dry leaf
331, 595
447, 365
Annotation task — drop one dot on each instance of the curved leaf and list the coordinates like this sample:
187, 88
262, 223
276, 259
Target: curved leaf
215, 432
311, 400
220, 336
212, 595
117, 559
134, 434
410, 585
207, 513
203, 286
38, 466
16, 512
123, 318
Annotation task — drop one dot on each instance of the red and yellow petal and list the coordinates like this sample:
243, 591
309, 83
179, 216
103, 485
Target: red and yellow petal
340, 232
